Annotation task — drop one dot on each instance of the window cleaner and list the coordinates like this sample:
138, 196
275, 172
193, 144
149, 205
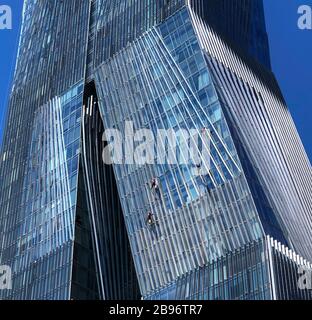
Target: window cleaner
155, 187
150, 219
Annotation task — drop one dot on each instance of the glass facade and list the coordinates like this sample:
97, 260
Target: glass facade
240, 275
262, 270
45, 229
258, 117
72, 227
173, 89
47, 203
245, 29
114, 263
40, 151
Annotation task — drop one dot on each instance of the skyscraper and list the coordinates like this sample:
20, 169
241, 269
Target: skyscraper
74, 227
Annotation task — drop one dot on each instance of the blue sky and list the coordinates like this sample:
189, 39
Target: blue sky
291, 52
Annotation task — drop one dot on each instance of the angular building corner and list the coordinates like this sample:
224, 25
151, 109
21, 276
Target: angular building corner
72, 227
